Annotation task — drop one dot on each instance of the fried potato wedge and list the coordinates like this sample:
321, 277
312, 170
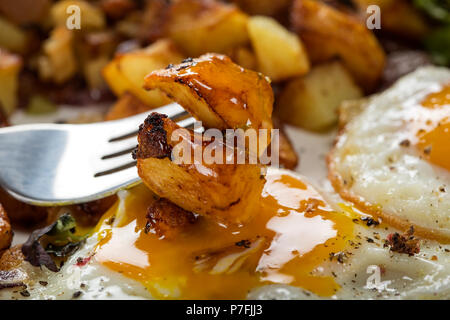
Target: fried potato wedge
127, 71
224, 192
127, 105
264, 7
10, 66
327, 33
6, 233
280, 53
21, 213
58, 62
168, 220
288, 156
199, 27
12, 37
217, 92
312, 101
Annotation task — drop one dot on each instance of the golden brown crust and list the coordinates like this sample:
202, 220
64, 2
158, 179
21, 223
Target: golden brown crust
288, 156
340, 185
152, 138
127, 105
20, 213
11, 258
6, 233
167, 219
238, 98
328, 33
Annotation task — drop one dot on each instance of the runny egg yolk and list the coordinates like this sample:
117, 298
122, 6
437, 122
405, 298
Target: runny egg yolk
434, 137
294, 232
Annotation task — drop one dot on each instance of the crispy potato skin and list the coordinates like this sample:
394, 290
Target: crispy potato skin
201, 26
218, 92
6, 233
126, 72
224, 192
167, 219
11, 258
327, 33
22, 213
288, 156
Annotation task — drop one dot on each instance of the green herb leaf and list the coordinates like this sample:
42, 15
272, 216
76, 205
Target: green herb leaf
437, 9
62, 243
438, 44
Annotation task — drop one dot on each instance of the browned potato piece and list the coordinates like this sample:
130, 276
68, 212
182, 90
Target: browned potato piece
12, 37
264, 7
10, 65
198, 27
22, 213
58, 63
24, 11
127, 105
92, 17
280, 52
5, 230
397, 16
288, 156
167, 219
224, 192
11, 258
312, 101
127, 71
327, 33
244, 57
218, 92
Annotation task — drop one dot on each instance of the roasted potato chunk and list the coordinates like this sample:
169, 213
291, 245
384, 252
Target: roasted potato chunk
280, 52
21, 213
264, 7
288, 156
218, 92
327, 33
127, 105
311, 102
398, 16
11, 259
224, 192
10, 65
199, 27
167, 220
127, 71
12, 37
6, 233
58, 62
92, 17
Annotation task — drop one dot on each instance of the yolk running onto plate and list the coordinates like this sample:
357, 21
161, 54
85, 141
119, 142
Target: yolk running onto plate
294, 232
434, 138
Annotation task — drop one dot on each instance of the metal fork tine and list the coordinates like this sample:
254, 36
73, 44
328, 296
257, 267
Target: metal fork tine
74, 163
127, 145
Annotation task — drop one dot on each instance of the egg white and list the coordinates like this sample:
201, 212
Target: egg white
376, 169
411, 277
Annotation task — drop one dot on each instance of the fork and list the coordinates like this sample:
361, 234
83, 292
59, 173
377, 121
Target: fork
61, 164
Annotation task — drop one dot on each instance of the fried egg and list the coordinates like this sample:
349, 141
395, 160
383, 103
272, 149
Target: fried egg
301, 245
393, 159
